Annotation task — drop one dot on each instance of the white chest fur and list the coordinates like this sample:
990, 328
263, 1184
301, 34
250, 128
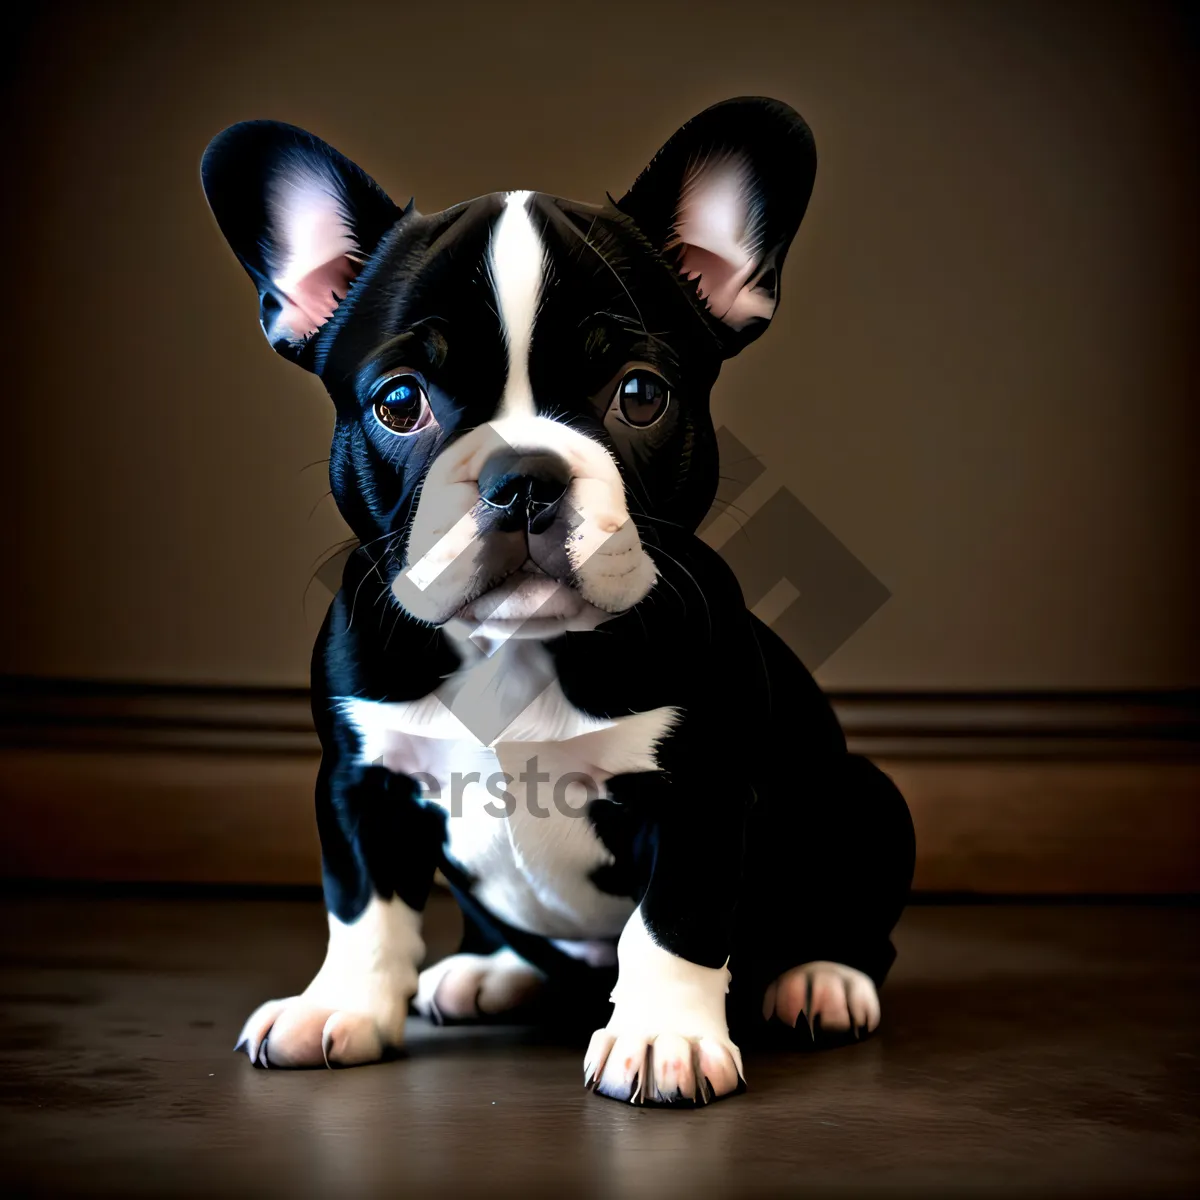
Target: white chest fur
501, 750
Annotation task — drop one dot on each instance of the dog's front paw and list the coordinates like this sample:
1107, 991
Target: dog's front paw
663, 1068
301, 1031
354, 1010
666, 1041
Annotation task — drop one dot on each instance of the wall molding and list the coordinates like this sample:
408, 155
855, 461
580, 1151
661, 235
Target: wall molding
1011, 793
87, 714
1067, 725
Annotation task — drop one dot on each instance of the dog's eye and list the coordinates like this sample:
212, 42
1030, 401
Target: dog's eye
644, 397
401, 405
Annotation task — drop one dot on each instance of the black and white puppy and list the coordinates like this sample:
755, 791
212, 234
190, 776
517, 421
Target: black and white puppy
535, 676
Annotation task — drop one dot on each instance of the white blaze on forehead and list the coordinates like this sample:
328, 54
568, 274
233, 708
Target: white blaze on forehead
516, 264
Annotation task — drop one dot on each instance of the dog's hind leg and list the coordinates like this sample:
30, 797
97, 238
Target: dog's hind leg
831, 868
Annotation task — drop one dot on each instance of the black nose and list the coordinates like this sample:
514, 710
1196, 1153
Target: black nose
527, 489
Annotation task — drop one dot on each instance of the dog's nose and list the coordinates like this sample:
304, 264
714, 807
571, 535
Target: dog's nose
527, 489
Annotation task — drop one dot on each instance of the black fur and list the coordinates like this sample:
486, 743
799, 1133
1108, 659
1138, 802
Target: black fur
761, 837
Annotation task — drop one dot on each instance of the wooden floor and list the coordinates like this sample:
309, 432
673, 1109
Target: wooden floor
1031, 1050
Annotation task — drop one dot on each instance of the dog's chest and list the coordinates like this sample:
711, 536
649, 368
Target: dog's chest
513, 764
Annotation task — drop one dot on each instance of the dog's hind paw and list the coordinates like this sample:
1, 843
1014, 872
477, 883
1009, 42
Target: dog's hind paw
829, 997
470, 987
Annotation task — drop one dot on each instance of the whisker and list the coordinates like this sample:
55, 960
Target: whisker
600, 255
728, 508
661, 520
695, 583
321, 561
373, 570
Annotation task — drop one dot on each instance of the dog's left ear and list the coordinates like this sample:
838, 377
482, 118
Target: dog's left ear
302, 219
722, 200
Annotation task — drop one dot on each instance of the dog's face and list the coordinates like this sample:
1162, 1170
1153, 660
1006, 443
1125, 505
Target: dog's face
521, 382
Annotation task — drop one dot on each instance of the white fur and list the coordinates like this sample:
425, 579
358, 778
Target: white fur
467, 986
355, 1007
614, 571
667, 1033
657, 987
604, 549
594, 953
533, 870
443, 546
516, 263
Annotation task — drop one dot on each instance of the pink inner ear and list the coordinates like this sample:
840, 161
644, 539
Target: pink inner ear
316, 254
720, 280
717, 247
311, 300
725, 286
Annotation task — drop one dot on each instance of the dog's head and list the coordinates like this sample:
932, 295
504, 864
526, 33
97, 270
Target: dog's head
521, 382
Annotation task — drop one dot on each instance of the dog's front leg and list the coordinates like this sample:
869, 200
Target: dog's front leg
667, 1041
378, 849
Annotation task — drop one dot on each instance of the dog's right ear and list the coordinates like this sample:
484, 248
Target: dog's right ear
301, 218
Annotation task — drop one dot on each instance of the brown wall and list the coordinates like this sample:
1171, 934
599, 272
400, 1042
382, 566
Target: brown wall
980, 379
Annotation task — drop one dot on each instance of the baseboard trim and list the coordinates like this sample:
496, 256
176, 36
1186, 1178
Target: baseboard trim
1012, 794
1022, 725
88, 714
310, 893
71, 714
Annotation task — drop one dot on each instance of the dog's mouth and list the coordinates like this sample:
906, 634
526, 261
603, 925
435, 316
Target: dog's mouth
527, 594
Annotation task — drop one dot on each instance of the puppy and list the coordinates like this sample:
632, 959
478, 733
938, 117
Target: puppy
535, 677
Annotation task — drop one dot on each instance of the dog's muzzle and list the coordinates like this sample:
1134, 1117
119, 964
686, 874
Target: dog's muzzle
522, 516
